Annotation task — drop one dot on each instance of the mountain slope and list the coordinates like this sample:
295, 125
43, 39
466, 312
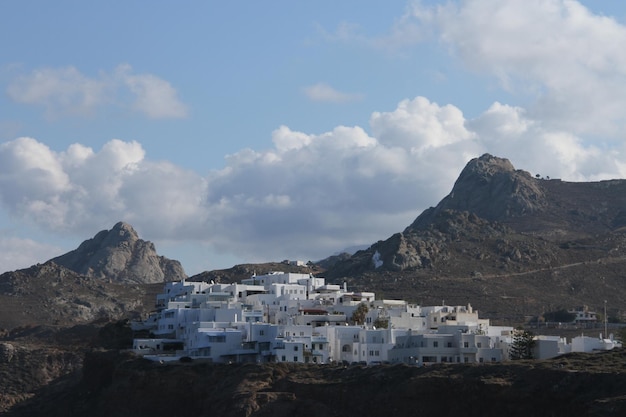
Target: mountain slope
510, 243
49, 294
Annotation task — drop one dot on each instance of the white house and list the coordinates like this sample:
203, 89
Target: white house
288, 317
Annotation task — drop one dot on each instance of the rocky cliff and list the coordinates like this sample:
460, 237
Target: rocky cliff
119, 255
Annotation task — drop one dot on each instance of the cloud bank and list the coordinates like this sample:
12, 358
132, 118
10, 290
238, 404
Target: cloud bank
305, 197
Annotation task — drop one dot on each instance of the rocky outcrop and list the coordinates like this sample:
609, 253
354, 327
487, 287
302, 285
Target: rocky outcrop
490, 188
119, 255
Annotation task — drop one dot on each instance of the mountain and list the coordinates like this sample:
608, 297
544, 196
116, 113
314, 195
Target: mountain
512, 244
111, 276
119, 255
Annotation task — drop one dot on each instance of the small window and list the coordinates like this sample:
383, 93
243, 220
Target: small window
295, 359
435, 344
478, 344
295, 348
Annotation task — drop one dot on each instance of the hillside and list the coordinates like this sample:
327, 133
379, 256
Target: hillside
118, 384
511, 244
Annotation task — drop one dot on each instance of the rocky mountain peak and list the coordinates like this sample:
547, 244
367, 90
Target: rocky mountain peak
125, 231
120, 255
491, 188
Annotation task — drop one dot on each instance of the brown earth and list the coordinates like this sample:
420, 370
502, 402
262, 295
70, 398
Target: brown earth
114, 383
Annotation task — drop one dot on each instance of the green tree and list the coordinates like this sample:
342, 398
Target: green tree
358, 317
381, 323
523, 344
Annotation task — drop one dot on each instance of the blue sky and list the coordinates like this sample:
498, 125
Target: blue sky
230, 132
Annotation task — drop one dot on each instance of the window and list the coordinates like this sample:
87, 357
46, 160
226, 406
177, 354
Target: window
435, 344
283, 358
295, 359
466, 344
217, 339
480, 360
493, 359
295, 348
262, 333
478, 344
449, 344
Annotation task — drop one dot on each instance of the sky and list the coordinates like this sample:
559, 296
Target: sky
236, 132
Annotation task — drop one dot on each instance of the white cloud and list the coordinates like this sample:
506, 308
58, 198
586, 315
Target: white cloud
571, 61
419, 124
61, 91
567, 64
326, 93
154, 97
67, 92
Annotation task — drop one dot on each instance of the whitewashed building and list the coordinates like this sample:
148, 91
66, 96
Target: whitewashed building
287, 317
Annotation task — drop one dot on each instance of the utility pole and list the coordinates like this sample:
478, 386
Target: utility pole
606, 325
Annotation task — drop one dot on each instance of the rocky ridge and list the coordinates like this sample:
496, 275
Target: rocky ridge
119, 255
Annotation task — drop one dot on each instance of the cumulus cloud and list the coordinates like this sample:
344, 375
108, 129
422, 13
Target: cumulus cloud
326, 93
565, 62
68, 92
570, 60
306, 196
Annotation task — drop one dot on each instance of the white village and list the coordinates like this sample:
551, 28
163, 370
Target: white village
299, 318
